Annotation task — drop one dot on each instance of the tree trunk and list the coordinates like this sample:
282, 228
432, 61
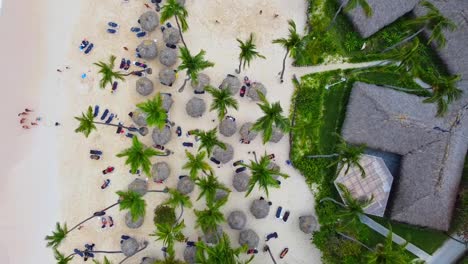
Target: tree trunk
165, 190
180, 32
91, 217
181, 89
336, 15
145, 244
133, 129
107, 252
332, 200
181, 213
404, 40
322, 156
271, 255
284, 65
354, 240
240, 65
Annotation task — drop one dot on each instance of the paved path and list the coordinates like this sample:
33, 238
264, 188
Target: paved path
448, 253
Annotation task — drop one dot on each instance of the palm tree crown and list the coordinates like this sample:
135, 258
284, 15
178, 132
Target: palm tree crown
248, 52
221, 252
57, 236
209, 140
272, 117
155, 113
86, 122
444, 92
105, 261
196, 164
222, 100
60, 258
362, 3
209, 218
349, 215
209, 185
174, 8
290, 44
106, 70
348, 156
169, 234
138, 155
178, 199
388, 253
132, 201
193, 64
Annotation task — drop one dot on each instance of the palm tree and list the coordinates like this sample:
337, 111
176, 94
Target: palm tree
57, 236
192, 65
209, 218
169, 234
388, 253
407, 58
138, 155
87, 124
350, 5
196, 164
61, 259
347, 156
444, 92
178, 199
221, 252
263, 174
272, 117
105, 261
209, 185
106, 70
174, 8
434, 22
222, 100
132, 201
208, 140
155, 113
290, 44
247, 53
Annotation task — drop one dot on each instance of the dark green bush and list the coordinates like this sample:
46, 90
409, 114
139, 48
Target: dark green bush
164, 214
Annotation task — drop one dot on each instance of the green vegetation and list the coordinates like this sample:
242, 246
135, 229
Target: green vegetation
164, 214
192, 65
208, 140
132, 201
222, 252
222, 100
248, 52
196, 164
169, 234
155, 113
209, 185
211, 217
272, 118
290, 44
106, 70
138, 156
174, 9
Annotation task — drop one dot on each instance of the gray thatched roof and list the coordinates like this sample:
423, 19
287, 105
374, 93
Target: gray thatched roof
161, 136
246, 132
201, 83
384, 13
232, 83
195, 107
227, 127
308, 224
129, 246
139, 118
249, 237
212, 236
167, 76
133, 224
185, 185
260, 208
168, 57
167, 101
274, 166
237, 220
256, 88
149, 21
160, 171
190, 254
221, 194
147, 260
144, 86
148, 49
171, 36
276, 136
223, 155
138, 185
432, 161
240, 181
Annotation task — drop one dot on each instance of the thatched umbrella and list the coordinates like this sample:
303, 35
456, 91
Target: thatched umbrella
276, 136
232, 83
148, 49
147, 260
227, 127
160, 171
190, 254
168, 57
143, 131
161, 136
260, 208
274, 166
203, 80
246, 132
237, 220
223, 155
133, 224
252, 93
185, 185
167, 76
212, 236
249, 237
138, 185
307, 223
195, 107
167, 101
149, 21
144, 86
241, 181
129, 246
221, 194
171, 36
139, 118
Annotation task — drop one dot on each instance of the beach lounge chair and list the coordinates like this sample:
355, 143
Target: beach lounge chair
119, 129
95, 152
129, 135
128, 63
104, 115
89, 49
286, 216
137, 172
198, 92
187, 144
217, 162
96, 110
111, 117
237, 163
113, 24
271, 235
123, 62
141, 65
133, 129
111, 31
141, 34
84, 44
78, 252
241, 169
242, 91
284, 252
103, 186
278, 212
179, 131
114, 86
135, 29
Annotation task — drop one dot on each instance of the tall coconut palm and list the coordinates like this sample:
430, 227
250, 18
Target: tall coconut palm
222, 100
192, 65
248, 52
407, 58
221, 252
107, 72
138, 155
434, 22
195, 164
346, 156
350, 5
290, 44
263, 174
155, 113
178, 199
211, 217
444, 92
208, 140
60, 258
209, 185
389, 253
272, 117
174, 8
132, 201
169, 234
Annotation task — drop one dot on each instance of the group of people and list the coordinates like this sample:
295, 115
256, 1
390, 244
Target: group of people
25, 121
87, 253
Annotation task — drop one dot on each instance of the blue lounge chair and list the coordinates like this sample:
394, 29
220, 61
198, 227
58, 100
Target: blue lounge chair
78, 252
89, 49
84, 44
104, 115
129, 135
241, 169
95, 152
217, 162
96, 110
113, 24
135, 29
122, 63
187, 144
111, 117
278, 212
111, 31
286, 216
141, 34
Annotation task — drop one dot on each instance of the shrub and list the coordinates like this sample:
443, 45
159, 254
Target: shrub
164, 214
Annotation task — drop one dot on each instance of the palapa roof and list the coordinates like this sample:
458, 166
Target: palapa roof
139, 186
232, 83
161, 136
168, 57
167, 76
240, 181
203, 80
190, 254
160, 171
220, 194
254, 89
167, 101
147, 260
432, 160
133, 224
148, 49
185, 185
308, 224
249, 237
129, 246
195, 107
247, 133
144, 86
237, 220
223, 155
227, 127
384, 13
212, 236
276, 135
171, 36
260, 208
149, 21
139, 118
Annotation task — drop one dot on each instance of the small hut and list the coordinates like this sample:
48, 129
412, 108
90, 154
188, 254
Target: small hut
212, 236
249, 237
237, 220
161, 136
220, 194
241, 181
276, 135
232, 83
190, 254
253, 91
260, 208
139, 118
223, 155
307, 224
148, 49
185, 185
167, 76
167, 101
171, 36
144, 86
139, 186
149, 21
160, 171
168, 57
133, 224
196, 107
202, 81
129, 246
228, 127
246, 132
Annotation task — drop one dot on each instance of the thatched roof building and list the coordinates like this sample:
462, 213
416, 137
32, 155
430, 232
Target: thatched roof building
203, 80
144, 86
149, 21
195, 107
240, 181
133, 224
212, 235
431, 160
148, 49
255, 89
139, 118
185, 185
223, 155
246, 132
161, 136
190, 255
227, 127
168, 57
237, 220
129, 246
139, 186
308, 224
232, 83
260, 208
276, 135
249, 237
167, 76
160, 171
171, 36
167, 101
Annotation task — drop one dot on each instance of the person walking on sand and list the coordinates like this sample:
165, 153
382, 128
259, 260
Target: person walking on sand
22, 120
28, 110
22, 114
26, 127
34, 124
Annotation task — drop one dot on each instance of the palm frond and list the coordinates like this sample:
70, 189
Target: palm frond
57, 236
132, 201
